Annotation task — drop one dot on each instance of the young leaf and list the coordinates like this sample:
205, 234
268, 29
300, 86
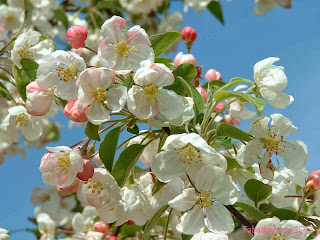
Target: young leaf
92, 131
234, 81
256, 102
163, 60
126, 162
108, 147
215, 8
254, 212
214, 85
163, 41
286, 214
224, 129
257, 190
193, 92
61, 15
153, 221
25, 75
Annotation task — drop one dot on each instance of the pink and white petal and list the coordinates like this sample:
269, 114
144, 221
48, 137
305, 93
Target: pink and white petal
54, 177
111, 30
191, 222
294, 154
281, 125
32, 131
106, 53
248, 154
107, 213
67, 90
166, 108
137, 35
116, 98
260, 127
59, 149
185, 201
167, 166
97, 113
84, 99
68, 178
143, 56
76, 160
16, 110
219, 219
48, 164
166, 77
146, 76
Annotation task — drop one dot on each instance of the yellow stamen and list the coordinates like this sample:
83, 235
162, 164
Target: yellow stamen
150, 93
123, 49
22, 120
64, 162
98, 94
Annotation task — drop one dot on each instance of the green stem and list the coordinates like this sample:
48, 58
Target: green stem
302, 202
167, 225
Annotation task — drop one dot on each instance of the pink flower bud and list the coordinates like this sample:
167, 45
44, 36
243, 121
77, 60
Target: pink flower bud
38, 100
88, 170
228, 118
112, 238
203, 93
189, 34
184, 58
130, 222
72, 112
212, 75
102, 227
199, 71
219, 106
312, 184
62, 192
77, 35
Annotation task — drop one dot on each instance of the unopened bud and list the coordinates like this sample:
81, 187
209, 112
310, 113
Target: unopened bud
88, 170
102, 227
77, 35
212, 75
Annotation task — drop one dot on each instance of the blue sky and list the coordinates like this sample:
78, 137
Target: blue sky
292, 35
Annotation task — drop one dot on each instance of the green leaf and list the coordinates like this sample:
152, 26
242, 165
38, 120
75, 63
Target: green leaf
163, 60
28, 9
163, 41
257, 190
108, 148
232, 163
216, 9
186, 237
235, 81
4, 92
53, 132
188, 72
4, 77
256, 102
285, 214
153, 221
92, 131
24, 76
224, 129
220, 142
126, 162
254, 212
61, 15
129, 230
193, 92
134, 129
214, 85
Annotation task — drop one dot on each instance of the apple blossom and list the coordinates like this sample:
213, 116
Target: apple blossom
203, 93
263, 6
77, 35
59, 70
141, 7
197, 5
88, 170
66, 191
270, 137
212, 75
184, 58
11, 17
19, 119
124, 52
4, 234
46, 226
102, 227
28, 45
93, 97
62, 166
39, 100
149, 98
281, 230
270, 81
40, 195
211, 185
185, 154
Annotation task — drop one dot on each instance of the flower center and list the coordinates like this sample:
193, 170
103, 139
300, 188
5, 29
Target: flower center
64, 162
272, 144
98, 94
94, 186
205, 199
150, 93
22, 120
123, 49
277, 237
66, 73
25, 50
189, 154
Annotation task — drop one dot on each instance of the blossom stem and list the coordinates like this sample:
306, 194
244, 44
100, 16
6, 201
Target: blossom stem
117, 231
301, 204
293, 196
167, 225
238, 215
89, 48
